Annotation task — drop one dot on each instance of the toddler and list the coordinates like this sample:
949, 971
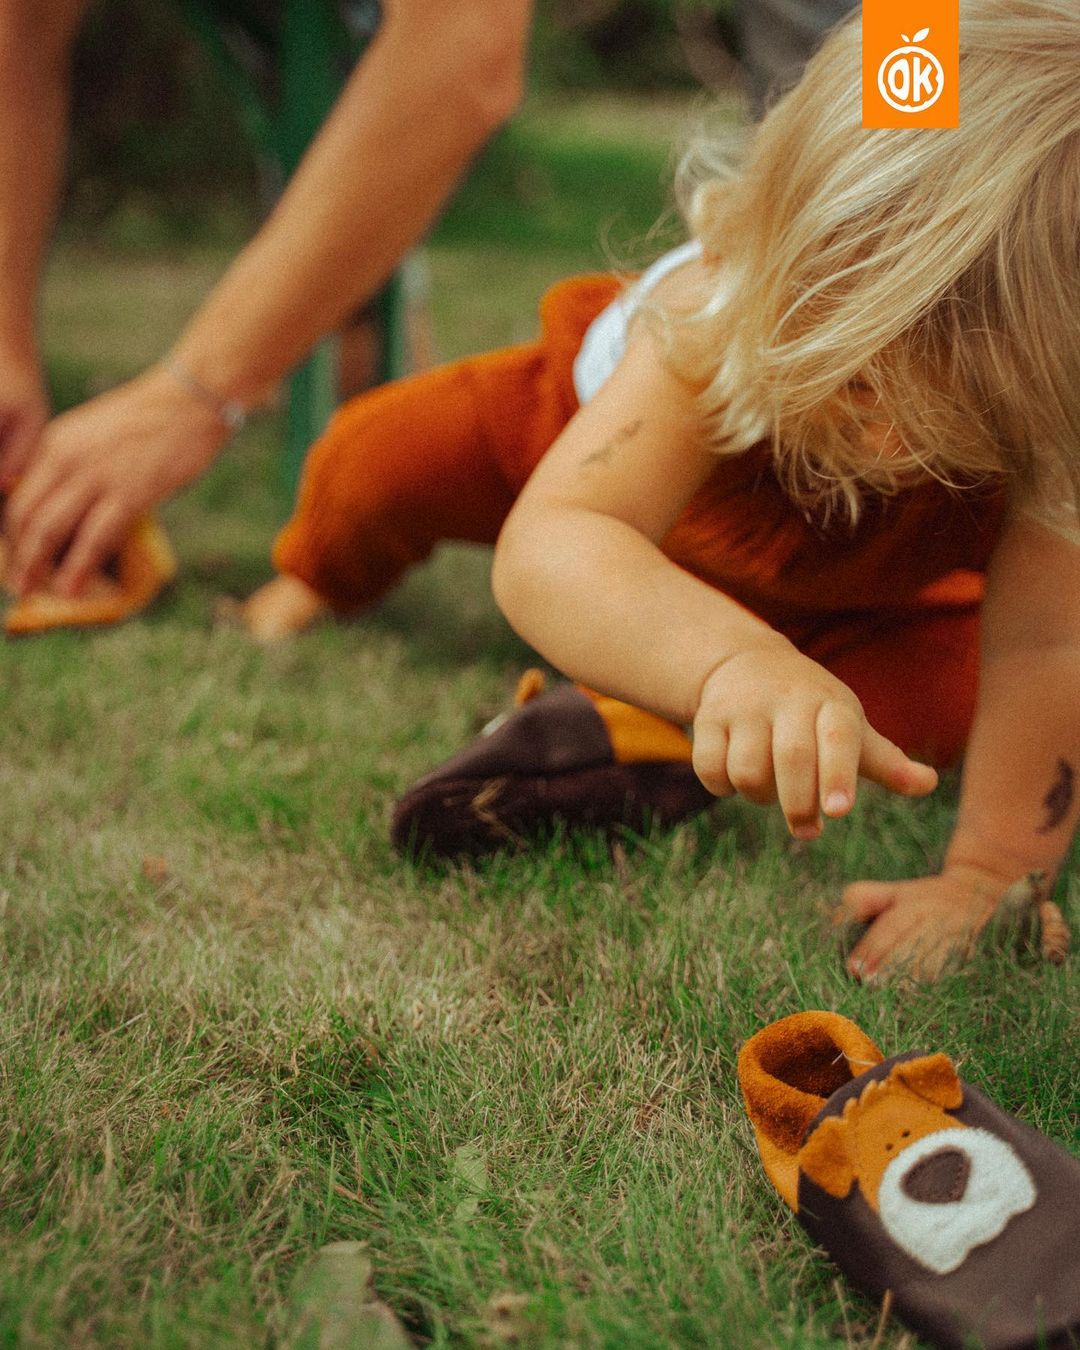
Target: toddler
818, 501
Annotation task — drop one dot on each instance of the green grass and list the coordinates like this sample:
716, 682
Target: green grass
513, 1082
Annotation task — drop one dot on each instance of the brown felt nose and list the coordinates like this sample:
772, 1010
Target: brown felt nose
938, 1179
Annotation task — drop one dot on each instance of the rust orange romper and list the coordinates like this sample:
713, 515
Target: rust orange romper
890, 606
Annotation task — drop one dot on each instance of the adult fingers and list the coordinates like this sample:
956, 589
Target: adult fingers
795, 770
710, 757
97, 537
8, 434
18, 437
44, 476
39, 537
885, 763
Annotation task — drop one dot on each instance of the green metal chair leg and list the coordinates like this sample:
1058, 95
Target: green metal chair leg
315, 56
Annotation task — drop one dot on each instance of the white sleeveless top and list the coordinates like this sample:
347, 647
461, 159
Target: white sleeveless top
604, 343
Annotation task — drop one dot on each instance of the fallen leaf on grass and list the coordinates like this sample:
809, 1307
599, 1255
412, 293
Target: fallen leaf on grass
335, 1306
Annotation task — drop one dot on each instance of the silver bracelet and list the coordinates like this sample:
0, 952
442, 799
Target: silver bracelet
231, 411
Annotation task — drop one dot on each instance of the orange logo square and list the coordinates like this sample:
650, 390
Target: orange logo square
911, 63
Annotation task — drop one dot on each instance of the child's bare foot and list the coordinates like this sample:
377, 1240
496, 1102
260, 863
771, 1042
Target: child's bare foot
281, 609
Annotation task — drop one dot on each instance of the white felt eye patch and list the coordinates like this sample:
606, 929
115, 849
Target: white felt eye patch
950, 1192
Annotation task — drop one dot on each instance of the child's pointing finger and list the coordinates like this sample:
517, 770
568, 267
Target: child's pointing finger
885, 763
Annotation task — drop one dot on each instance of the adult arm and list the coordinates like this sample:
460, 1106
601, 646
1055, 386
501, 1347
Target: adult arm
436, 80
1020, 791
35, 44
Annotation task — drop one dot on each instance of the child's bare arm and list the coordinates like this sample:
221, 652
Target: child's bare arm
579, 572
577, 568
1020, 797
1018, 807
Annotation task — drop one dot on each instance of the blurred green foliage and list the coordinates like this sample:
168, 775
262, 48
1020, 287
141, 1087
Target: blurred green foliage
149, 117
533, 189
607, 44
157, 137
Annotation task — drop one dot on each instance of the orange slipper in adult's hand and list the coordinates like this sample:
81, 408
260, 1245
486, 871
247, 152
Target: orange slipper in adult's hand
143, 566
918, 1185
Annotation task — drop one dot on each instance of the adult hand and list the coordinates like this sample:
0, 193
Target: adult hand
918, 929
775, 726
97, 468
24, 410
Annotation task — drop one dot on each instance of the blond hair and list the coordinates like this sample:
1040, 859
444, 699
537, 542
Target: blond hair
938, 268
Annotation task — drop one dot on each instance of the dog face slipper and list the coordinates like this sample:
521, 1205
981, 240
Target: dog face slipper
916, 1183
566, 755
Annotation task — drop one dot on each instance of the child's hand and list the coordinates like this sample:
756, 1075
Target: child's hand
918, 929
775, 726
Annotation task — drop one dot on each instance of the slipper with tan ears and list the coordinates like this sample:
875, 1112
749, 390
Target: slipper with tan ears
143, 566
919, 1187
565, 754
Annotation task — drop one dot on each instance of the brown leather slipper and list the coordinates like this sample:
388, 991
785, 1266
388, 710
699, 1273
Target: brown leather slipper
918, 1186
551, 760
